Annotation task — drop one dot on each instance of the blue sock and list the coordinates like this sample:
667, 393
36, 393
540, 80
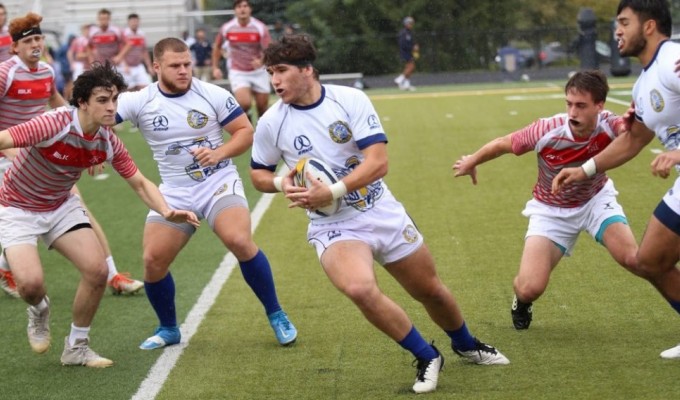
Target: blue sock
258, 275
161, 295
461, 339
675, 304
415, 343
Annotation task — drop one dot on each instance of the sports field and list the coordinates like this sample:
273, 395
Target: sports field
597, 332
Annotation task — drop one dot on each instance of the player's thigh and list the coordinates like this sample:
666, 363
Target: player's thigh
660, 246
232, 226
83, 249
539, 257
619, 240
161, 243
349, 266
416, 273
24, 260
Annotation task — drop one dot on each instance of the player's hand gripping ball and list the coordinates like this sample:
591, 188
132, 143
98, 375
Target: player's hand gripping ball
323, 173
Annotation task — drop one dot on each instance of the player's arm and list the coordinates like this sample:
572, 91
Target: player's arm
467, 164
624, 148
373, 167
118, 58
152, 197
6, 140
216, 56
241, 138
56, 100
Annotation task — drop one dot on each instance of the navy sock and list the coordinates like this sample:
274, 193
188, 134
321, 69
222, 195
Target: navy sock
415, 343
258, 275
461, 339
161, 295
675, 305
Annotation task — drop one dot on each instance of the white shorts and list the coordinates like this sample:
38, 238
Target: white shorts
19, 226
387, 229
220, 191
672, 197
563, 225
135, 76
257, 80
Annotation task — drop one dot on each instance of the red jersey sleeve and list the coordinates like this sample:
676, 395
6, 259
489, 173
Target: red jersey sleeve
122, 162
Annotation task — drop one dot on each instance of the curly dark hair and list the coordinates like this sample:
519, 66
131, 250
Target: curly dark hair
296, 49
100, 75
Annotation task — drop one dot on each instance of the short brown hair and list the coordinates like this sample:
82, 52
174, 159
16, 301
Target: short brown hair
591, 81
237, 2
168, 44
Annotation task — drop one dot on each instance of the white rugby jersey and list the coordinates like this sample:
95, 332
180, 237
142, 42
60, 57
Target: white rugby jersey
54, 152
334, 129
175, 124
657, 96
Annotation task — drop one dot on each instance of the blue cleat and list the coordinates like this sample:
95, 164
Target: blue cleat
284, 329
164, 336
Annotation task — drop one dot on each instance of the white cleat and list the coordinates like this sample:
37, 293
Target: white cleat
483, 354
672, 353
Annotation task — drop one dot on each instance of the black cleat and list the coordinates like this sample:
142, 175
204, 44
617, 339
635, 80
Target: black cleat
521, 314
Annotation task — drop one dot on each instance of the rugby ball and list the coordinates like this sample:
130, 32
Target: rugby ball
323, 173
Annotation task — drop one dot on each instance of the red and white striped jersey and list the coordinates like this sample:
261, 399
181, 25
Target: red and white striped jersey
79, 45
106, 44
5, 44
54, 152
24, 92
244, 43
558, 148
137, 40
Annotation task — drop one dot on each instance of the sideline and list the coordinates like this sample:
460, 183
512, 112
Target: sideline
483, 92
160, 371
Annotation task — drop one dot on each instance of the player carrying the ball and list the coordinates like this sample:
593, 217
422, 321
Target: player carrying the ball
340, 126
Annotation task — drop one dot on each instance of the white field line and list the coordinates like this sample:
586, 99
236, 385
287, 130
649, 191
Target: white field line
160, 371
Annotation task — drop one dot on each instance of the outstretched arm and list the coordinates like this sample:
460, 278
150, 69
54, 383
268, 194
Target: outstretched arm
466, 165
152, 197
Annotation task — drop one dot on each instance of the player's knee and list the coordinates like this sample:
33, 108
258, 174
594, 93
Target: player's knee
630, 262
155, 263
362, 294
652, 266
31, 289
433, 292
95, 273
242, 246
528, 290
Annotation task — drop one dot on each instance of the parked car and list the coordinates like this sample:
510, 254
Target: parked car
550, 53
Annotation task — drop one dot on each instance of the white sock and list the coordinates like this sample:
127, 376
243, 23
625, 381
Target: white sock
112, 268
42, 306
78, 333
3, 262
400, 79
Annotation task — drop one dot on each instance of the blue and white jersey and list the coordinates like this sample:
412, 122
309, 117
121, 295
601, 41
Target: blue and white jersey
657, 96
334, 129
174, 125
